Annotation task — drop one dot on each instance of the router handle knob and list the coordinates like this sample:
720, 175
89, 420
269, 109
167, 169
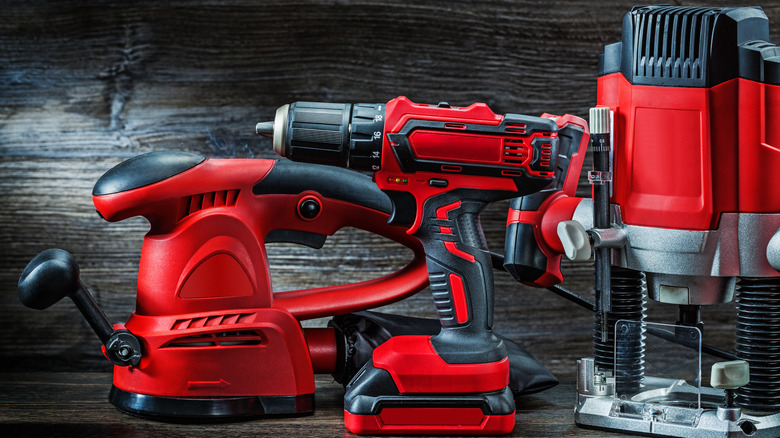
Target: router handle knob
575, 240
730, 375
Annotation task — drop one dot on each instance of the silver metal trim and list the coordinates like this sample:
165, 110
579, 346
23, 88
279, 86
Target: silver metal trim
736, 249
739, 247
600, 120
593, 382
607, 412
280, 129
694, 266
773, 251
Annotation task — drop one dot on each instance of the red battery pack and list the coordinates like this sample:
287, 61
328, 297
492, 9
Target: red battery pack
430, 421
408, 389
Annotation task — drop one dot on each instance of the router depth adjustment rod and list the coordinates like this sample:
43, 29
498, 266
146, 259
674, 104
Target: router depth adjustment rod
601, 177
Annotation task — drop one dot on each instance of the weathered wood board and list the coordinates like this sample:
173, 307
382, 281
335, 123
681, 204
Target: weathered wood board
85, 86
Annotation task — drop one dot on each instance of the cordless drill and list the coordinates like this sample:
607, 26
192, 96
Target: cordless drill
440, 165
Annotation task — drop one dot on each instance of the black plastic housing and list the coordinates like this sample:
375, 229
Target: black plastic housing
293, 178
693, 47
337, 134
523, 258
143, 170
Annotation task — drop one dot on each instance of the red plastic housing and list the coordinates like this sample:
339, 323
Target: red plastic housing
430, 421
556, 208
208, 320
417, 368
683, 156
452, 147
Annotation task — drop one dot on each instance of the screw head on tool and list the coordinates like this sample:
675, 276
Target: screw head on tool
309, 208
124, 349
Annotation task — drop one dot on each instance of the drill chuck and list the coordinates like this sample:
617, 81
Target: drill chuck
345, 135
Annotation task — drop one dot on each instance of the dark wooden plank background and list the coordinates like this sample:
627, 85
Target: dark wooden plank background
85, 85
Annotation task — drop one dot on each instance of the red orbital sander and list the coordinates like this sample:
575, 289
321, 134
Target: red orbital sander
209, 339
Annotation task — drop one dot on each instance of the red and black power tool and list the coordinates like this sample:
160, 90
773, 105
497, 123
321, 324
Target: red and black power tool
440, 165
209, 339
686, 211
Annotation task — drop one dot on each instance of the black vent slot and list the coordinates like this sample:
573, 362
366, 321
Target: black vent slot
673, 42
515, 152
240, 338
684, 46
201, 201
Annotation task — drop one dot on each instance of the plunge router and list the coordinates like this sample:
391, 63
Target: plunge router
686, 211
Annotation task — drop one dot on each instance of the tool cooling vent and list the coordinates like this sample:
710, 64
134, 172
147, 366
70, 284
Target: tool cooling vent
673, 42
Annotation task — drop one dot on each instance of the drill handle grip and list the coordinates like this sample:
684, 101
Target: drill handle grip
460, 271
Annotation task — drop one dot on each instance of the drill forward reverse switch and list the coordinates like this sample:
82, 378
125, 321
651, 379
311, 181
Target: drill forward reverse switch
440, 165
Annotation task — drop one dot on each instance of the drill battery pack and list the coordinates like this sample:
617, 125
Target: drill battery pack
417, 392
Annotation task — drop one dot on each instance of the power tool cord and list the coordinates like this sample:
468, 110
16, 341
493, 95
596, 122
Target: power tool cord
498, 264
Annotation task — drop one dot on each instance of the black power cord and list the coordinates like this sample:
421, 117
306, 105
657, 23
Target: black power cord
498, 264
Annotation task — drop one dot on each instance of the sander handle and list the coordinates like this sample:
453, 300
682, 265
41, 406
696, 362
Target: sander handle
53, 275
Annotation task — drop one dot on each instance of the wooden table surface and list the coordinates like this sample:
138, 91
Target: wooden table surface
84, 86
59, 404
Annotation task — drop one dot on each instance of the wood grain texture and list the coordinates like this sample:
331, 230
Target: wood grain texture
76, 404
84, 86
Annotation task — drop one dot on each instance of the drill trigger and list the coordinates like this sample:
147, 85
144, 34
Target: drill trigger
404, 209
